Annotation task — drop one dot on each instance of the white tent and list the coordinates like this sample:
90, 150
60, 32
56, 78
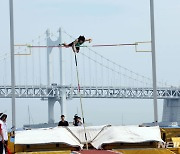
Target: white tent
96, 135
45, 136
127, 134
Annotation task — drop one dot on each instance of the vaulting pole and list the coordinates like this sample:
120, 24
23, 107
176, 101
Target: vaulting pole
77, 73
153, 62
12, 63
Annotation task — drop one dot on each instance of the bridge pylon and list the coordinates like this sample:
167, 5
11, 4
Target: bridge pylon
62, 99
171, 112
51, 102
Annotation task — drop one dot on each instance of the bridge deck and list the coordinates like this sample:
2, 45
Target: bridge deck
89, 92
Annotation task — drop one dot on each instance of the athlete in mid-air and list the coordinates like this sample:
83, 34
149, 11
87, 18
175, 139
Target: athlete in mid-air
77, 43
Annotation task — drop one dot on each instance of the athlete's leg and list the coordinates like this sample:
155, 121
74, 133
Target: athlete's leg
5, 146
1, 147
77, 49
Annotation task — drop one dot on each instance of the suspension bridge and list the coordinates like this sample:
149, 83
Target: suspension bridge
48, 73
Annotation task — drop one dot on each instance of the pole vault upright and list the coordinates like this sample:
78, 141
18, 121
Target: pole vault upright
62, 99
153, 62
12, 64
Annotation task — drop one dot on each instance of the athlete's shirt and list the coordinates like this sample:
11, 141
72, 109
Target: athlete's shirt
3, 128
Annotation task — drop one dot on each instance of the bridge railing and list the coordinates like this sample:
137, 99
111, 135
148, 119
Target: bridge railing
89, 92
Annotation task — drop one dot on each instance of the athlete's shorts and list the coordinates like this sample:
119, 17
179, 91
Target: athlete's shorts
71, 44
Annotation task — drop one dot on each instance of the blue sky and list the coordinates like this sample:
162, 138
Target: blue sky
107, 21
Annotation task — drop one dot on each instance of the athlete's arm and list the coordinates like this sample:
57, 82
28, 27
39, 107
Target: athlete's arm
66, 45
89, 40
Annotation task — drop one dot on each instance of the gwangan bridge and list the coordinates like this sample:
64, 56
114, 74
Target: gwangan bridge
99, 76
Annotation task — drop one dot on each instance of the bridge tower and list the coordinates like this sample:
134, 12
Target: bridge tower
62, 99
171, 112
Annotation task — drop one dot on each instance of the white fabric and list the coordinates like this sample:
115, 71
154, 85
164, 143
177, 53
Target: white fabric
96, 135
127, 134
49, 135
4, 130
91, 132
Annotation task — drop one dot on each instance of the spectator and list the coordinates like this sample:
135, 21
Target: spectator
3, 133
63, 122
77, 120
79, 123
1, 138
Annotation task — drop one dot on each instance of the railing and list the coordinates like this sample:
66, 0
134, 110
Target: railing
54, 91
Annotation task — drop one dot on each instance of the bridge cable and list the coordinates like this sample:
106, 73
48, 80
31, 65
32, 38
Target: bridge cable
100, 45
39, 60
90, 68
33, 73
4, 77
71, 67
77, 73
19, 69
84, 72
101, 70
26, 75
